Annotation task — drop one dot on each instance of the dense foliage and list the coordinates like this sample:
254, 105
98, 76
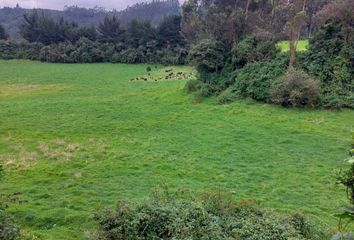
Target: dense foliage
324, 75
210, 218
346, 178
153, 11
253, 49
331, 60
65, 42
255, 79
3, 34
295, 88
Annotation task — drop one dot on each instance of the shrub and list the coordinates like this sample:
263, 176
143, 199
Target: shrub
330, 59
256, 79
346, 178
294, 89
132, 56
169, 56
253, 49
208, 218
192, 86
208, 57
226, 97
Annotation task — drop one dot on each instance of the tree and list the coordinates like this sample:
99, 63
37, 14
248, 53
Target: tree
3, 34
295, 22
221, 20
169, 31
110, 31
44, 29
208, 57
139, 33
340, 11
29, 27
312, 8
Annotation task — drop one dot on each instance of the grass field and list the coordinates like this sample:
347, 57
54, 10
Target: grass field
302, 45
75, 138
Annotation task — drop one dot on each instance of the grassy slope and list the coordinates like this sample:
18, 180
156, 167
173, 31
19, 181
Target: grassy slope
301, 46
78, 137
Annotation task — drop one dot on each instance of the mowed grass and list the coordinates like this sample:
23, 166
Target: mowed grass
302, 45
76, 138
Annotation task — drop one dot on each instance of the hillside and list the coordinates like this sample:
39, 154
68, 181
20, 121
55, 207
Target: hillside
153, 11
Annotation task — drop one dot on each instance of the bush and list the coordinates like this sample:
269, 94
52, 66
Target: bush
330, 59
131, 56
256, 79
226, 97
192, 86
175, 56
253, 49
19, 49
346, 178
295, 89
208, 218
208, 57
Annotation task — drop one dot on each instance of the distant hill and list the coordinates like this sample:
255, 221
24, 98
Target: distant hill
154, 11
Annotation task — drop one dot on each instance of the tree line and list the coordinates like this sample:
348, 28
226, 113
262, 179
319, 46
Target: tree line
47, 39
154, 11
231, 43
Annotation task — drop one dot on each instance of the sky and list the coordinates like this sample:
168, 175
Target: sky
59, 4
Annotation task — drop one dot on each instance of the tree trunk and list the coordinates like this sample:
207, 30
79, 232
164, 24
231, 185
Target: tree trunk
247, 7
292, 45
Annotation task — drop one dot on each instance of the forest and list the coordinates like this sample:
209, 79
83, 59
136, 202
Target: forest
239, 110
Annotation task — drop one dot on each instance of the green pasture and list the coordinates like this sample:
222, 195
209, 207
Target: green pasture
302, 45
76, 138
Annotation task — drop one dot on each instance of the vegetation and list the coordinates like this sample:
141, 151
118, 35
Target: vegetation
153, 11
330, 60
295, 88
3, 34
346, 178
75, 138
7, 229
67, 42
210, 218
302, 45
255, 63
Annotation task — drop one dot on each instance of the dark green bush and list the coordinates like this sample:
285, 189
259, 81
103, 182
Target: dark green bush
132, 56
169, 56
209, 218
331, 60
227, 96
345, 177
295, 89
192, 86
19, 49
253, 49
208, 57
255, 79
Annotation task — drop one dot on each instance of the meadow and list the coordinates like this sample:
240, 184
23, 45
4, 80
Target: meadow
76, 138
302, 45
